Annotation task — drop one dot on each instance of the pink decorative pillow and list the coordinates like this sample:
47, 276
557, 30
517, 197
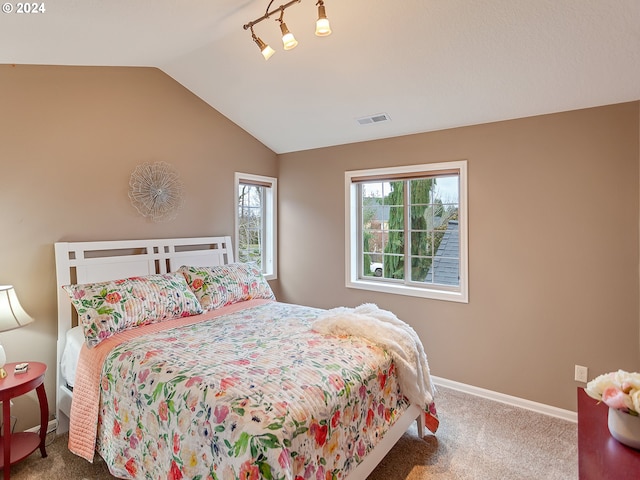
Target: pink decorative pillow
107, 308
223, 285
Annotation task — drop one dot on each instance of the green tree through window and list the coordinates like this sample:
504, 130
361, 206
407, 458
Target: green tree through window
255, 222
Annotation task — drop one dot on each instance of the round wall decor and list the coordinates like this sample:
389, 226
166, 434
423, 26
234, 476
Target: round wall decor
155, 191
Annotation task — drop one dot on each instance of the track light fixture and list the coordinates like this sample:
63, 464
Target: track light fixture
288, 40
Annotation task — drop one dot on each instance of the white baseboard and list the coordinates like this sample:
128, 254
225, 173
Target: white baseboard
51, 426
508, 399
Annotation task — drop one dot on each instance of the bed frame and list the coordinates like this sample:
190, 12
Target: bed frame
86, 262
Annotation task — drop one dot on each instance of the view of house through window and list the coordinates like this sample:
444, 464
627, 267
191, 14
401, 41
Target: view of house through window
432, 205
255, 221
405, 230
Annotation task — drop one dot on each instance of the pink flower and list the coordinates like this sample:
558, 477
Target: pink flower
228, 382
163, 411
284, 459
124, 355
249, 472
360, 449
319, 432
220, 412
130, 466
113, 297
192, 401
616, 398
382, 380
336, 381
241, 362
370, 416
362, 391
142, 376
335, 420
176, 443
192, 381
174, 473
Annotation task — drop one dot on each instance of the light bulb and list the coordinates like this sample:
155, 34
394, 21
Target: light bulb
267, 51
288, 40
322, 24
322, 27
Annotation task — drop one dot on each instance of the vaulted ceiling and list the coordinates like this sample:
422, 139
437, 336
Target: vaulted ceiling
427, 64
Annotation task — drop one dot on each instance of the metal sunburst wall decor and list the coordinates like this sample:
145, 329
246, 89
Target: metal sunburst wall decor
155, 191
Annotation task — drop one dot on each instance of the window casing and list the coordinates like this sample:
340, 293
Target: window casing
406, 230
255, 221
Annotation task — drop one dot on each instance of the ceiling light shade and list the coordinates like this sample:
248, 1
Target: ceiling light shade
265, 49
322, 24
288, 40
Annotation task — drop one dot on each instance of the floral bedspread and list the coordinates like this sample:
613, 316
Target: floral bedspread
253, 394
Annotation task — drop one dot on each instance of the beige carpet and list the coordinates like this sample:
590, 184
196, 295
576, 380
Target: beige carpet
477, 439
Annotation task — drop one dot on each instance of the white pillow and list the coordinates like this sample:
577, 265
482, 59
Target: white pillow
71, 354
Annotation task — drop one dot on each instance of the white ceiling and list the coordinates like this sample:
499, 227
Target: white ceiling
428, 64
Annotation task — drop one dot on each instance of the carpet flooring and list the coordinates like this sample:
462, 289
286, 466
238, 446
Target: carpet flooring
477, 439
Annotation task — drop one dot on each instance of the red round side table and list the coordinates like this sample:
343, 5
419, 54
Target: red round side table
18, 446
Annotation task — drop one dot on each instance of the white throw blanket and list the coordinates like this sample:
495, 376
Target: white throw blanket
388, 331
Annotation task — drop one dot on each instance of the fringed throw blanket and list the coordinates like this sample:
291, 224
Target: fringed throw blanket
397, 337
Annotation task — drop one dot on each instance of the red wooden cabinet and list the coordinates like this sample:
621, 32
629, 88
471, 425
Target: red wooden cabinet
600, 456
17, 446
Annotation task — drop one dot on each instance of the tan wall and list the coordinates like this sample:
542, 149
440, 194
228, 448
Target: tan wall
553, 219
553, 256
69, 139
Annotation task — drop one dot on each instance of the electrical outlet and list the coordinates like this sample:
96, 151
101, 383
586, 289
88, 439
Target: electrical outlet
582, 374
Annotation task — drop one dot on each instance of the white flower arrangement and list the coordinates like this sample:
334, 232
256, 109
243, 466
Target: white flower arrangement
619, 390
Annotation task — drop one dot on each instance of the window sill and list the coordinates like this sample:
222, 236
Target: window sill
446, 295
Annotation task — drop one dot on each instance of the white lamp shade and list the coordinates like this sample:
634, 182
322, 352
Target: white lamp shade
12, 315
267, 51
322, 27
289, 41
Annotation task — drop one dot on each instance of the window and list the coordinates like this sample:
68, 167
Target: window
256, 221
406, 230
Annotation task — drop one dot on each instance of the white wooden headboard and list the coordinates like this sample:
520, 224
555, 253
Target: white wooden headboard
87, 262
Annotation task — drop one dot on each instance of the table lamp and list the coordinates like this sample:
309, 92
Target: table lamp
12, 315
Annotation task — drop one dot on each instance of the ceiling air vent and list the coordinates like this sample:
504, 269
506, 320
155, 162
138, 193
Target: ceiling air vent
377, 118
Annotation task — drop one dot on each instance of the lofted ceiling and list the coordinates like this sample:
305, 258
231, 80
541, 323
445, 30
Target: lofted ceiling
427, 64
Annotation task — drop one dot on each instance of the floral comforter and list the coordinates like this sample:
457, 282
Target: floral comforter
253, 394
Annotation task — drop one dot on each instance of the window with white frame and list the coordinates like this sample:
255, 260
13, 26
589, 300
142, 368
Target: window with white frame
406, 230
255, 241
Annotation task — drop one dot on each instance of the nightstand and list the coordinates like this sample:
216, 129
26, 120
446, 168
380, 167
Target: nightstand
18, 446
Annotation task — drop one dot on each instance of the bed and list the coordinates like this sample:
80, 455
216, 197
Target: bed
170, 404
